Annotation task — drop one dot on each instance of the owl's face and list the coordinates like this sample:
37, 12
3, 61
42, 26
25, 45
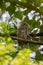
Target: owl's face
24, 25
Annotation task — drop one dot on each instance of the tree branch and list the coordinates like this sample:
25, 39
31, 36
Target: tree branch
38, 34
20, 39
30, 41
37, 58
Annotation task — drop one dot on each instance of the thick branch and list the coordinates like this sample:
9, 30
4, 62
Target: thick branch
30, 41
20, 39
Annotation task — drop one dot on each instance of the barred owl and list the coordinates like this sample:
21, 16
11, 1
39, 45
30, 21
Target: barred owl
23, 32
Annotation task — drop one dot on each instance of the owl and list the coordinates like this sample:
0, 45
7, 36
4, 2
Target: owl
23, 32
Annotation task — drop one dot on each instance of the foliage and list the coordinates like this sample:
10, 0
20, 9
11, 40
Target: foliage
30, 11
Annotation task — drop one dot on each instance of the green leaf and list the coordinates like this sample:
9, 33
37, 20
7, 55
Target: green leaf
41, 9
41, 28
39, 56
24, 0
11, 8
18, 14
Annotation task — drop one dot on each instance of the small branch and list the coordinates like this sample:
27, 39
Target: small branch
37, 58
38, 34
